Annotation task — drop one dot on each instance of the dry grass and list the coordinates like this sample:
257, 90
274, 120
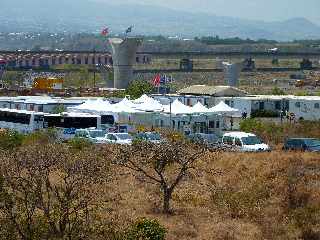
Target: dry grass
230, 196
227, 196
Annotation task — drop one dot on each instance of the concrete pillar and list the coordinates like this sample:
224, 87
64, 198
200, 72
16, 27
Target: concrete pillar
124, 57
232, 73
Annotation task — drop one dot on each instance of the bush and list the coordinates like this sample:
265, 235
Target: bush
277, 91
137, 88
79, 143
276, 133
264, 114
9, 140
146, 229
45, 136
242, 203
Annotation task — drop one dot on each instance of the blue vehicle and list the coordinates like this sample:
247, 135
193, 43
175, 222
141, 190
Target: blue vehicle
302, 144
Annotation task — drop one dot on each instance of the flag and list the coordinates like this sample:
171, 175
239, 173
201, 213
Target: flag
156, 80
129, 30
105, 32
163, 79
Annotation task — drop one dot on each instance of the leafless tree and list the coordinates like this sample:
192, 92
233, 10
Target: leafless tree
48, 191
165, 164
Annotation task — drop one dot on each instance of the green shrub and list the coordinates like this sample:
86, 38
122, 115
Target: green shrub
79, 143
264, 114
10, 140
277, 91
45, 136
276, 133
146, 229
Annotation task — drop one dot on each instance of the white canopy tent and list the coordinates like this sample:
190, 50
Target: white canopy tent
144, 98
177, 107
125, 106
199, 108
148, 104
223, 108
90, 106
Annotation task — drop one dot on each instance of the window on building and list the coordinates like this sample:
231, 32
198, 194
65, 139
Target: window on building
217, 124
40, 108
317, 105
278, 105
107, 119
261, 105
188, 102
298, 104
211, 124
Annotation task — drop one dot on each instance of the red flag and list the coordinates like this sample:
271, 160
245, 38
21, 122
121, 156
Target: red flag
105, 32
156, 80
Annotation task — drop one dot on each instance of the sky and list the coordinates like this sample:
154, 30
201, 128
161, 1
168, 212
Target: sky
267, 10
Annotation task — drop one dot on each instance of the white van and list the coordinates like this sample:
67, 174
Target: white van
246, 142
91, 134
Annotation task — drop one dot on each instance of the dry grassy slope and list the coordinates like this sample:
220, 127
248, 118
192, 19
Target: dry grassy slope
206, 209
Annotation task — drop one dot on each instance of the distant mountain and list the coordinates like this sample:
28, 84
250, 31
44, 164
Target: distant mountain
90, 16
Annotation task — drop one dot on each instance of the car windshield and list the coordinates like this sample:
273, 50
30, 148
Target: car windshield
251, 140
95, 134
153, 136
312, 142
123, 136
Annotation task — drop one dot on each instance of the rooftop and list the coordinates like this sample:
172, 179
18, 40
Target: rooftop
213, 91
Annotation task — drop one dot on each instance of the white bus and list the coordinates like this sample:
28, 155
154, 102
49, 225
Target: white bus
20, 120
28, 121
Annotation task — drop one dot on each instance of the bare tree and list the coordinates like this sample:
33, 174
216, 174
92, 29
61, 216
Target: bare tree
48, 191
165, 164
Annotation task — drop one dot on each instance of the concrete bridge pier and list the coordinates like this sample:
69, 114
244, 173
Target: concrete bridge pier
124, 57
232, 73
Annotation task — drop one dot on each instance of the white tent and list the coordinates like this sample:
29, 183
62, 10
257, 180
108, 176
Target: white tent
177, 107
144, 98
125, 106
126, 102
148, 104
92, 106
223, 108
199, 108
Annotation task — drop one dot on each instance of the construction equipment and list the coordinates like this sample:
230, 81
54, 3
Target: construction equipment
47, 83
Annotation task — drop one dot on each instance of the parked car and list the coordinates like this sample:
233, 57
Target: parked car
302, 144
153, 137
92, 135
245, 142
203, 138
118, 138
